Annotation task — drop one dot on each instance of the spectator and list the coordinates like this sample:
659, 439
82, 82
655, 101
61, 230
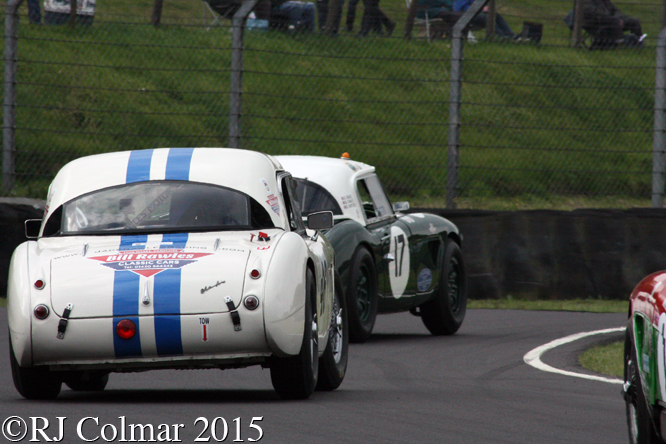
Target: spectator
322, 15
434, 8
607, 23
502, 28
34, 12
374, 18
289, 14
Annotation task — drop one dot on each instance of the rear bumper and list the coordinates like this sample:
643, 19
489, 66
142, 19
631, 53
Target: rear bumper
169, 341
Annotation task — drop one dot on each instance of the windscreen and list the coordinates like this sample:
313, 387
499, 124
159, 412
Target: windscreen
165, 205
315, 198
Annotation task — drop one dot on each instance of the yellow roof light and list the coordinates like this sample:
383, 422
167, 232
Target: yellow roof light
345, 155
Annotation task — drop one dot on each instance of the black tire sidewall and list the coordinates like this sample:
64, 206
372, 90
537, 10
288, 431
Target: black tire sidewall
647, 434
332, 373
359, 329
437, 314
295, 377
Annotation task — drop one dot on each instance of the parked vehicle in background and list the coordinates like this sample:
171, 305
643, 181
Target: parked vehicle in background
388, 261
181, 258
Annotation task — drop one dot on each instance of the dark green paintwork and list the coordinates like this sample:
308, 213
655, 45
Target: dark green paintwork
426, 250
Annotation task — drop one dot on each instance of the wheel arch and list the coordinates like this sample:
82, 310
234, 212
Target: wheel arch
19, 302
284, 290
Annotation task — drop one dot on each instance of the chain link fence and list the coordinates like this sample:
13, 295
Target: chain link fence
546, 125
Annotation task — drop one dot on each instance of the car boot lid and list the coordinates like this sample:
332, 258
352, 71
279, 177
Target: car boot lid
156, 274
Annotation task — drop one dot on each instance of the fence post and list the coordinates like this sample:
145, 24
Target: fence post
490, 20
236, 84
9, 111
659, 124
576, 34
455, 98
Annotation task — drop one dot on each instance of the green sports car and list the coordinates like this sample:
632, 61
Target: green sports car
389, 261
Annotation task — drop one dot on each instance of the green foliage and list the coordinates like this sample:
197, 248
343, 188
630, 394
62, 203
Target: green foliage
546, 126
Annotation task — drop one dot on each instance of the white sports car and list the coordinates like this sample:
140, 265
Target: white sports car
181, 258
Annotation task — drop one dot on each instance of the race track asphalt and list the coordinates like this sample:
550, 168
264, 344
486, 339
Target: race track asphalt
402, 386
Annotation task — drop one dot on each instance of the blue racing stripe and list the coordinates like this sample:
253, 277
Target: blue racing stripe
138, 166
166, 296
176, 240
127, 242
178, 164
126, 306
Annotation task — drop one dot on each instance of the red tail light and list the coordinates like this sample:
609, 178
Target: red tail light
126, 329
39, 284
41, 311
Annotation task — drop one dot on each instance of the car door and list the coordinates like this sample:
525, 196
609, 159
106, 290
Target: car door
393, 256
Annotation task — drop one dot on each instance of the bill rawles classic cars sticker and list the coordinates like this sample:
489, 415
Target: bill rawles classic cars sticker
149, 262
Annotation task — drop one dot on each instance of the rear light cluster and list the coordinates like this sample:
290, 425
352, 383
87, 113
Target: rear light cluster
126, 329
42, 311
251, 302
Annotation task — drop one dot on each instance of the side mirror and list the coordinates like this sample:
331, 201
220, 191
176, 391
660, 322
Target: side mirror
400, 206
32, 227
321, 220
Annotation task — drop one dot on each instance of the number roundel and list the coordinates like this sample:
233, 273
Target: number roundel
398, 269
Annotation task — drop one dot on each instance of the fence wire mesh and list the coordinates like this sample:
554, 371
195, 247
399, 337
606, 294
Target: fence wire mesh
542, 125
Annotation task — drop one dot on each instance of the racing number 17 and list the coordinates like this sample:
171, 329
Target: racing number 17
399, 255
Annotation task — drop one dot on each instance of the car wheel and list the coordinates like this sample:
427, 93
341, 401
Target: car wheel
33, 382
295, 377
333, 363
87, 382
444, 314
639, 421
362, 296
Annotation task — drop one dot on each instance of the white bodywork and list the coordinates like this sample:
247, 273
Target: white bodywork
338, 176
172, 285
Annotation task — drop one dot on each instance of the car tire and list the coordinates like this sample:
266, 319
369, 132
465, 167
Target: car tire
361, 296
295, 377
639, 421
333, 363
87, 382
444, 314
33, 382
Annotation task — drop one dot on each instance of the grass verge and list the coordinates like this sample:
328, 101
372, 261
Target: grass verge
589, 305
605, 359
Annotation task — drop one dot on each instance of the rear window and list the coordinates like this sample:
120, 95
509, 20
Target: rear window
159, 206
315, 198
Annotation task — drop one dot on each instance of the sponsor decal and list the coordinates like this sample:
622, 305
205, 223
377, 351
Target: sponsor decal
274, 203
432, 229
347, 201
353, 168
661, 356
149, 262
263, 181
407, 219
424, 280
264, 248
217, 284
204, 322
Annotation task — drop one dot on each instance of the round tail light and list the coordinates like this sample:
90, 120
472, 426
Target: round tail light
255, 274
251, 302
42, 311
126, 329
40, 284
